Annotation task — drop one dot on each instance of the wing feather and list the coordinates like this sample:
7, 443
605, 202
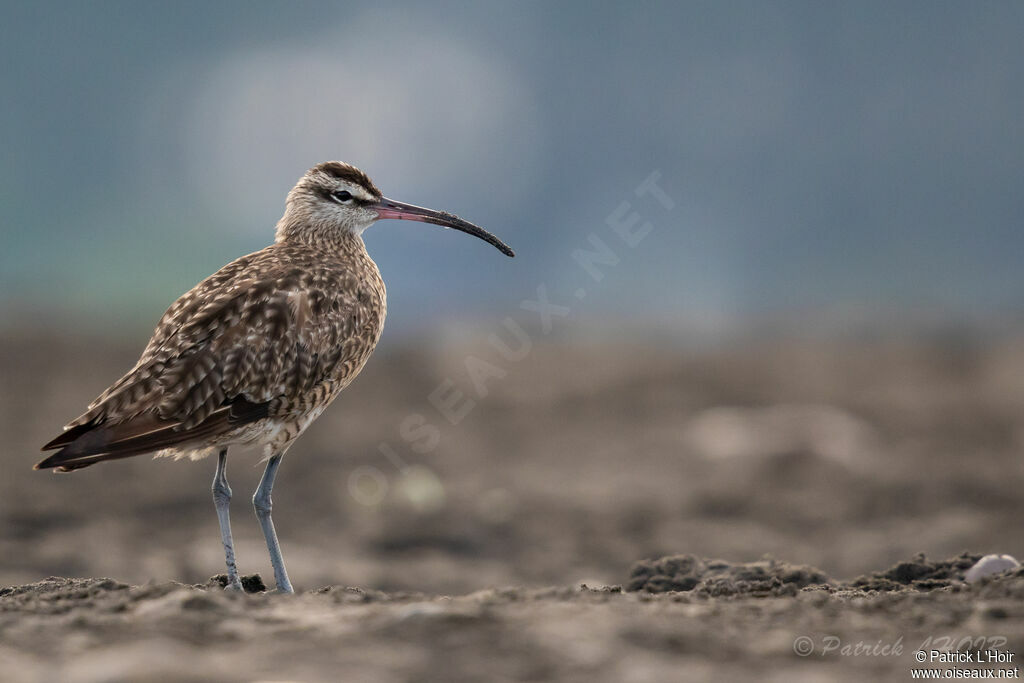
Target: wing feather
254, 332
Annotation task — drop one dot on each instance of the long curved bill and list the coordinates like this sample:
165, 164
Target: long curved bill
389, 208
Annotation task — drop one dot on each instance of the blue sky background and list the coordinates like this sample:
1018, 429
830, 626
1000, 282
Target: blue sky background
822, 156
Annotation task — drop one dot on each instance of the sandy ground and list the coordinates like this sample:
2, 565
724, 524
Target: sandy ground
839, 459
762, 621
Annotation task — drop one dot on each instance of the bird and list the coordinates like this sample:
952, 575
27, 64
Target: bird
254, 353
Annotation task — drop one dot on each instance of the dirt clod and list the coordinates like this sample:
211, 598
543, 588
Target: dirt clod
252, 583
919, 573
718, 578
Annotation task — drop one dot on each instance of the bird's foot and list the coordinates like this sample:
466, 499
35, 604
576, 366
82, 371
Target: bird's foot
232, 582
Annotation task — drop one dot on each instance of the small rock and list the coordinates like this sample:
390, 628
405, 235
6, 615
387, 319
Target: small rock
989, 565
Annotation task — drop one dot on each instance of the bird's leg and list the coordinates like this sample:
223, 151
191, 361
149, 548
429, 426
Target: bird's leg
221, 499
261, 501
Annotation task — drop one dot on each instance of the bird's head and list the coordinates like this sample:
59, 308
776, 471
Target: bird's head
335, 197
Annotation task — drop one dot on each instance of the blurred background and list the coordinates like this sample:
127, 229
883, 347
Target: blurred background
814, 350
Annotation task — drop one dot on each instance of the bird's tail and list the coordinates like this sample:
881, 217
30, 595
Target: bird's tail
90, 443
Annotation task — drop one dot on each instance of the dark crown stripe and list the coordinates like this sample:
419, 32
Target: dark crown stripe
351, 174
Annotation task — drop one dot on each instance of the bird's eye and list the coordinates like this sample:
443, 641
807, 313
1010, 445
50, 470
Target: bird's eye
342, 196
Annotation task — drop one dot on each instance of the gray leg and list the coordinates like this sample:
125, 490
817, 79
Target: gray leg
261, 501
221, 499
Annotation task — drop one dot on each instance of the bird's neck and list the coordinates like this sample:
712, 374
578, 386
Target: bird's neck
320, 236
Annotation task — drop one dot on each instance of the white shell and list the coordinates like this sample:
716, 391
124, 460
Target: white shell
989, 565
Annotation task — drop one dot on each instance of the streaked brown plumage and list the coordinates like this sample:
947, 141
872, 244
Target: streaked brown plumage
253, 349
255, 352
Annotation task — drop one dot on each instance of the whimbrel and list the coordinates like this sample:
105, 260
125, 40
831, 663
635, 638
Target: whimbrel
256, 352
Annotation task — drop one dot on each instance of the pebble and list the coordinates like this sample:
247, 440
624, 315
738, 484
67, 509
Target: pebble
989, 565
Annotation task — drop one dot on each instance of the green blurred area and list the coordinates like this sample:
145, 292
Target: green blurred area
864, 156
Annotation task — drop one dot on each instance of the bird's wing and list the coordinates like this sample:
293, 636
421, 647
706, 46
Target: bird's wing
242, 345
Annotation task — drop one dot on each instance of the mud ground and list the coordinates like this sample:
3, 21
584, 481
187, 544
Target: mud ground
814, 471
737, 622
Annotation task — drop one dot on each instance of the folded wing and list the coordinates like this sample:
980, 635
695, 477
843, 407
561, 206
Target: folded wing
246, 344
